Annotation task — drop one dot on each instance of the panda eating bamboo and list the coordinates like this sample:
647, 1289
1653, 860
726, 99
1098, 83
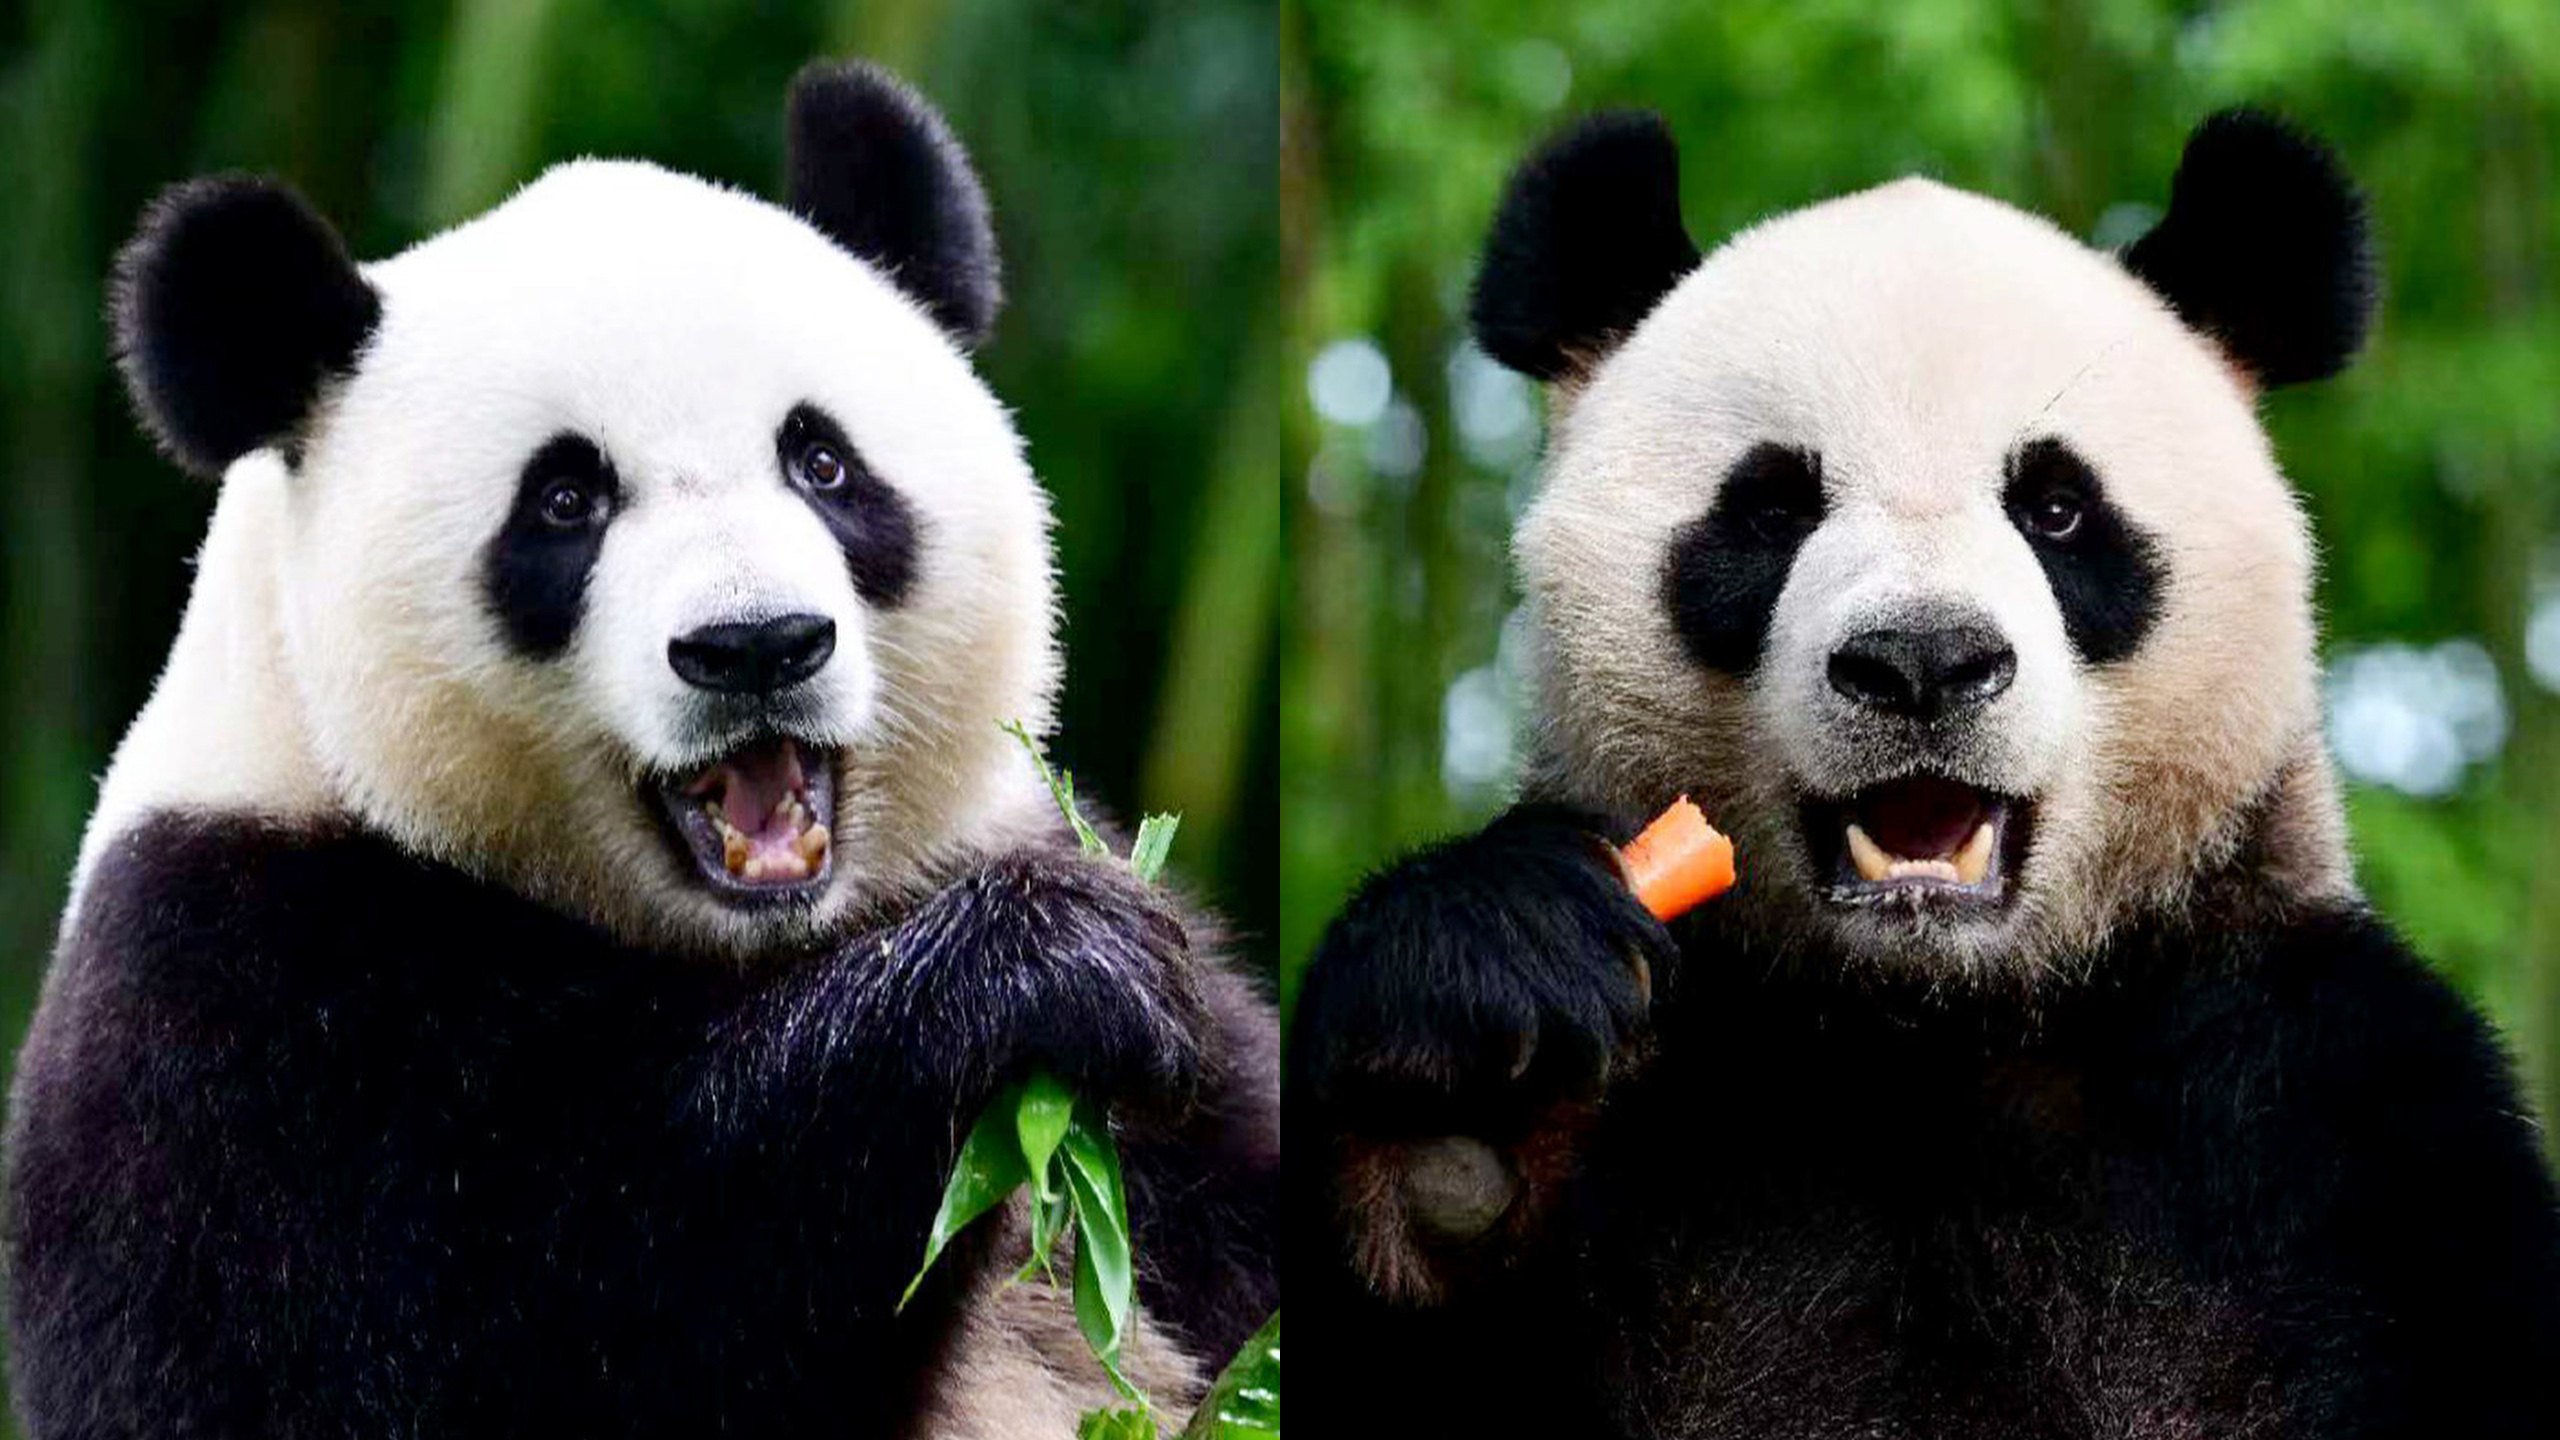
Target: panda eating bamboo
536, 953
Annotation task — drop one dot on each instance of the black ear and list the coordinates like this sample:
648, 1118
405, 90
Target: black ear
1587, 241
875, 167
2264, 248
232, 305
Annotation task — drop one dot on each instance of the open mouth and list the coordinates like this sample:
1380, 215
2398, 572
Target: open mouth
1922, 838
759, 820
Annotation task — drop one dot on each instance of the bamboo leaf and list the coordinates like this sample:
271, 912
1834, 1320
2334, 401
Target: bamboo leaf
1061, 788
1093, 1317
1244, 1404
1155, 841
1116, 1425
1040, 1122
990, 1168
1105, 1280
1048, 1222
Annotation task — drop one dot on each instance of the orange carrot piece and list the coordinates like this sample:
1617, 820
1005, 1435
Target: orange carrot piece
1679, 863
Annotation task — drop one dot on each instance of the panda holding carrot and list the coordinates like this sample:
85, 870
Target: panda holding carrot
2045, 1074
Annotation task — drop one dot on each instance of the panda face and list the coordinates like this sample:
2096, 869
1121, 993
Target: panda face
663, 559
1935, 556
639, 545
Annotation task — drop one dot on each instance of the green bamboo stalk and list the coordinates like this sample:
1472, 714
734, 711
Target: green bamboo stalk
485, 135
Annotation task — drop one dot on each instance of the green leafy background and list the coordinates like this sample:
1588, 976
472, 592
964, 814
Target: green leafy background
2430, 469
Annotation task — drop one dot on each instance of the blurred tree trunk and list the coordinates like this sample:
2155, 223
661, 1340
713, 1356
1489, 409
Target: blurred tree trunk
48, 122
1421, 573
486, 136
897, 36
1330, 779
2515, 255
1223, 618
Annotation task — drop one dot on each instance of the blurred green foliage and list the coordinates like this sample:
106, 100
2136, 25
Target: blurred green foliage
1129, 150
2430, 469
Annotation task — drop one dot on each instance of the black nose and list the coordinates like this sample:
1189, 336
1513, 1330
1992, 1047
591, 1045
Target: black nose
1924, 673
754, 657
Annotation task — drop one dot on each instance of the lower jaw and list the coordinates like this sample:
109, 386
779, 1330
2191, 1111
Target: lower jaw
734, 892
753, 872
1952, 884
1941, 950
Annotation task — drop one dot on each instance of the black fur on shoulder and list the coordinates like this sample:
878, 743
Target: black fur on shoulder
311, 1137
2264, 248
2266, 1177
877, 168
233, 304
1587, 240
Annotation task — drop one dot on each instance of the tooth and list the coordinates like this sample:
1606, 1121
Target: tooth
1974, 860
1921, 870
812, 845
734, 853
781, 812
1873, 864
786, 866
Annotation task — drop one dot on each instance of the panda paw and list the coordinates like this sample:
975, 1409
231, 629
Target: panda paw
1057, 962
1476, 985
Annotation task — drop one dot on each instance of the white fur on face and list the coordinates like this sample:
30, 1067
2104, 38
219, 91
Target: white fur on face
1916, 556
674, 324
1914, 336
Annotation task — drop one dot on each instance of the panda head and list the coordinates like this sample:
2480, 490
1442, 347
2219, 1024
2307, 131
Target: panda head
638, 544
1939, 555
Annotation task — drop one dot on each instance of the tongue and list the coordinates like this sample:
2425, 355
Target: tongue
752, 784
1920, 818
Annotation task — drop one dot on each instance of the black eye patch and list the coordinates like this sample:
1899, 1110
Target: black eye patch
872, 523
1726, 568
534, 573
2105, 573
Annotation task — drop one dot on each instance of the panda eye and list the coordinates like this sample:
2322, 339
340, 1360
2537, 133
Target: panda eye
820, 467
2053, 513
1776, 494
568, 505
1781, 524
2051, 492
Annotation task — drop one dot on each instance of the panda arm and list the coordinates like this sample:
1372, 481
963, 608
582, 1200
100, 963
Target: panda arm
1454, 1034
1205, 1193
1034, 958
875, 1057
1462, 1016
2372, 1143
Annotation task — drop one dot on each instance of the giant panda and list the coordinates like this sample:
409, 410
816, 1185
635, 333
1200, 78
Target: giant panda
538, 948
2045, 1075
